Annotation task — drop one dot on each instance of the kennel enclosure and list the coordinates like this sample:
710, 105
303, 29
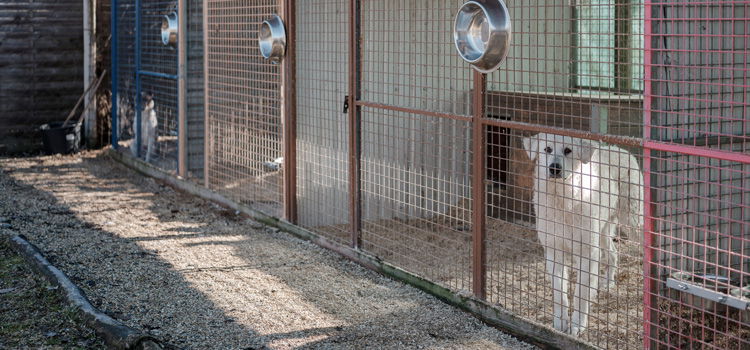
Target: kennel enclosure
375, 135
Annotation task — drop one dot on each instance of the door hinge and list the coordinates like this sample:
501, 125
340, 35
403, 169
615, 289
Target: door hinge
346, 104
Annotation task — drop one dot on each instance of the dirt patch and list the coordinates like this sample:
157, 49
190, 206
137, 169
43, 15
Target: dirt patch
33, 314
687, 327
198, 276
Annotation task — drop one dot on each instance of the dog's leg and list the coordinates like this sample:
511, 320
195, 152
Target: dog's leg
586, 263
149, 148
559, 273
609, 256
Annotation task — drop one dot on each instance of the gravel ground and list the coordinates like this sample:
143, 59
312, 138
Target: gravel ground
33, 314
198, 276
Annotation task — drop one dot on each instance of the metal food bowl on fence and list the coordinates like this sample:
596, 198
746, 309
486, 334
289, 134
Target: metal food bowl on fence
272, 39
169, 29
482, 33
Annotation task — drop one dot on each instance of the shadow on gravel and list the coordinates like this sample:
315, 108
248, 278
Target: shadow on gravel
197, 276
105, 265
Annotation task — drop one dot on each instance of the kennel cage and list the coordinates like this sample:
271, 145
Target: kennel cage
148, 92
373, 133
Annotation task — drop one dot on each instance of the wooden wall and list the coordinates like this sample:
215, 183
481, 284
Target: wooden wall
41, 67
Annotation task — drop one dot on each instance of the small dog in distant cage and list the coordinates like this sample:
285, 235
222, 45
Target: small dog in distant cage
125, 117
147, 131
584, 191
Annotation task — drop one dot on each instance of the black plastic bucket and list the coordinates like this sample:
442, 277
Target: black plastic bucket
59, 139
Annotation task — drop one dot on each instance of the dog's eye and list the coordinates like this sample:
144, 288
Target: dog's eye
567, 151
548, 149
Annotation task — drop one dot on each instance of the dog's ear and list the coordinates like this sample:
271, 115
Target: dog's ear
588, 148
531, 146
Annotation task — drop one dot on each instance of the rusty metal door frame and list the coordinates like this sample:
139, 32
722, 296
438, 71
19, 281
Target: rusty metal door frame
289, 113
355, 118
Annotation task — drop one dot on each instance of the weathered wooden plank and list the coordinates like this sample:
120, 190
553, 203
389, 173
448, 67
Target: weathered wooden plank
41, 70
40, 62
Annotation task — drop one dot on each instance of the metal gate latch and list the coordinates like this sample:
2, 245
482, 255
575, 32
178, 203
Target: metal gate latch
346, 104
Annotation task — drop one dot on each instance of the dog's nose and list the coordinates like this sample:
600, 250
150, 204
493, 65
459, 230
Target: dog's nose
555, 170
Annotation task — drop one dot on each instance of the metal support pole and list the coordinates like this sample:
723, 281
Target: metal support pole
649, 288
289, 138
206, 125
89, 70
114, 73
182, 33
137, 126
355, 115
478, 188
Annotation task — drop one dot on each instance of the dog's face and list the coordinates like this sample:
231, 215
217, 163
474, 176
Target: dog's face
557, 157
147, 100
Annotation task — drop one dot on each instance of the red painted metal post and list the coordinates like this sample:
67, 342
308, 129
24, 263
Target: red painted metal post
355, 149
206, 125
288, 93
648, 253
182, 130
478, 187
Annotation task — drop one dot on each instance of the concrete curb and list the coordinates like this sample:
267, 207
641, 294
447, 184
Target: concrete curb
115, 334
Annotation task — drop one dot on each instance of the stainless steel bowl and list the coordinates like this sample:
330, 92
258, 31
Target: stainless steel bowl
169, 29
272, 39
482, 33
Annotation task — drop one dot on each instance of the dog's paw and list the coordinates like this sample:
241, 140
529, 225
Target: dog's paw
561, 325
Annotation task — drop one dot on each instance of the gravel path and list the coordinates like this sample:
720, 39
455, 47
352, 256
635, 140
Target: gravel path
200, 277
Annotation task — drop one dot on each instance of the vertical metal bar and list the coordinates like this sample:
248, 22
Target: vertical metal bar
182, 34
478, 187
206, 128
288, 95
355, 115
89, 70
648, 254
137, 126
114, 72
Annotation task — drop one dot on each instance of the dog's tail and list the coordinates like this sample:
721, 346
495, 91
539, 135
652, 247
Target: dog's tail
630, 204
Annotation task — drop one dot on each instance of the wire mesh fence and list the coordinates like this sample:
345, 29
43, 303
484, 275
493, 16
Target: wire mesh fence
699, 270
124, 56
322, 134
701, 242
596, 184
147, 87
416, 193
415, 170
243, 107
557, 252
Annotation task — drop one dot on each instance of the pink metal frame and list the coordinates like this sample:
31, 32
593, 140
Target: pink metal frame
648, 253
651, 294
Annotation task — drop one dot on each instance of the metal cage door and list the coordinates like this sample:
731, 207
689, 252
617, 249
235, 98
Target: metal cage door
243, 105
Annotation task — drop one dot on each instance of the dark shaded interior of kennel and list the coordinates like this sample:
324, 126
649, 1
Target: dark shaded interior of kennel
415, 160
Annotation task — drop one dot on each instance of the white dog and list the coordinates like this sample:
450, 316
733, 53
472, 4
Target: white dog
149, 123
584, 191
